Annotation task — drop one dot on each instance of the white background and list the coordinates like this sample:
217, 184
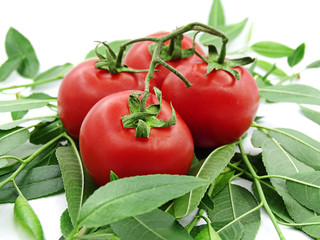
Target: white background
65, 31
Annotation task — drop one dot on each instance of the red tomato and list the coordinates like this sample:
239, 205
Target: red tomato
139, 57
85, 85
106, 145
217, 108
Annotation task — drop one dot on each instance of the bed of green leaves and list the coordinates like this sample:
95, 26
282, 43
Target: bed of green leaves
38, 158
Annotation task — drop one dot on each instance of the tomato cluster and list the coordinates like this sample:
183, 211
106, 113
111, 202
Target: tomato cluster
216, 110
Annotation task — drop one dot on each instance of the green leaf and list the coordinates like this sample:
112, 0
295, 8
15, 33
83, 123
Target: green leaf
45, 131
272, 49
311, 114
73, 179
307, 196
232, 202
210, 169
13, 138
153, 225
9, 66
54, 73
104, 233
126, 197
315, 64
296, 93
278, 162
18, 115
216, 15
17, 45
25, 215
66, 226
22, 104
18, 122
33, 183
299, 145
313, 229
297, 55
231, 31
208, 233
114, 45
268, 66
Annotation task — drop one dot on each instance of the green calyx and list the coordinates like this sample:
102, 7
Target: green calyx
217, 61
144, 118
109, 61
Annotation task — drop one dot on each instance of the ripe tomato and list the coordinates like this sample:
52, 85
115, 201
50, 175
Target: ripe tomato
85, 85
217, 108
106, 145
139, 57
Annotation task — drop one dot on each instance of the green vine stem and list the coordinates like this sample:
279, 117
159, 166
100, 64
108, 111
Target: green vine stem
260, 191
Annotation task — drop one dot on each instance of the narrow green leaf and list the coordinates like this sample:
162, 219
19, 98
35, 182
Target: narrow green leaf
216, 15
153, 225
315, 64
278, 162
66, 226
272, 49
54, 73
296, 93
232, 202
73, 179
104, 233
18, 122
17, 45
299, 145
9, 66
13, 138
27, 218
307, 196
297, 55
126, 197
22, 104
45, 131
268, 66
210, 169
311, 114
33, 183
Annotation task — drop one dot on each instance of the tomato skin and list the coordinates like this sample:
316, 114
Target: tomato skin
105, 145
85, 85
139, 57
217, 108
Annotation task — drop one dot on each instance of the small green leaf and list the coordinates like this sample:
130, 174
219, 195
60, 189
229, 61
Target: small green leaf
54, 73
272, 49
307, 196
66, 226
13, 138
18, 115
311, 114
17, 45
231, 203
27, 218
33, 183
73, 179
9, 66
125, 197
216, 15
22, 104
297, 55
296, 93
208, 233
315, 64
153, 225
268, 66
209, 169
